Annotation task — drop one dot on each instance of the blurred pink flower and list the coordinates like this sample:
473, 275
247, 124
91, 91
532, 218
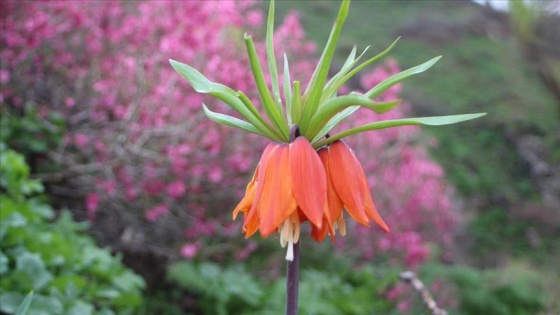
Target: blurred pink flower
404, 306
92, 205
176, 189
189, 250
246, 251
153, 187
156, 212
69, 102
110, 187
4, 76
394, 293
81, 140
215, 173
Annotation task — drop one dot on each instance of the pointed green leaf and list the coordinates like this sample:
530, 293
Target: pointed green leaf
287, 90
428, 121
230, 121
389, 82
269, 130
296, 103
202, 85
340, 81
340, 116
329, 91
271, 57
197, 80
335, 105
314, 90
352, 57
271, 108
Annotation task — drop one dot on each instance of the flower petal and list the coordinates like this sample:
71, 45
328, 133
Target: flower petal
247, 201
251, 225
334, 203
348, 179
371, 211
309, 180
319, 234
276, 201
260, 176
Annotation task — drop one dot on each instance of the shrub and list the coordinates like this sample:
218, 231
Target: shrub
514, 290
234, 290
67, 271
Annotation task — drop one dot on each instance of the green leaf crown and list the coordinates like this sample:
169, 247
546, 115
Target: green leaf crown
319, 108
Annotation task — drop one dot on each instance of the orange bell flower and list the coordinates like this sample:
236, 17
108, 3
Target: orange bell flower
346, 188
293, 183
289, 186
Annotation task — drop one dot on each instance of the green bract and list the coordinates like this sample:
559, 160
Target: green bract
319, 108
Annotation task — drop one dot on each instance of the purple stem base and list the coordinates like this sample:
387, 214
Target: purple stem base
292, 283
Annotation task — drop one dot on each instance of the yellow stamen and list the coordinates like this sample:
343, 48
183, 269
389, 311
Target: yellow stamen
341, 225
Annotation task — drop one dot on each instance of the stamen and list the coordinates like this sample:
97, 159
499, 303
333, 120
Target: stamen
289, 234
296, 230
342, 225
290, 253
289, 230
284, 233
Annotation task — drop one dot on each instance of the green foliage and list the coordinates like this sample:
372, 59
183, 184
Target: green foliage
67, 271
509, 234
27, 132
233, 290
164, 302
492, 173
510, 291
221, 291
14, 176
24, 306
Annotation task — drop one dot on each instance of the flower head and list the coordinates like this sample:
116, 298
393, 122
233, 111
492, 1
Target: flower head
288, 187
293, 183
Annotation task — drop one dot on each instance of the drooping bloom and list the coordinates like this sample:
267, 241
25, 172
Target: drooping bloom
293, 183
346, 188
288, 187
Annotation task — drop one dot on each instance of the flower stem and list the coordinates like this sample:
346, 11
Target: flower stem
292, 283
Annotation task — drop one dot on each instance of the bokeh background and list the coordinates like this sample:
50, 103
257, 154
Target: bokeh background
117, 192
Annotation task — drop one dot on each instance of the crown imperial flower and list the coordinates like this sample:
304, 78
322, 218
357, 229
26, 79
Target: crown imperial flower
289, 186
305, 174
